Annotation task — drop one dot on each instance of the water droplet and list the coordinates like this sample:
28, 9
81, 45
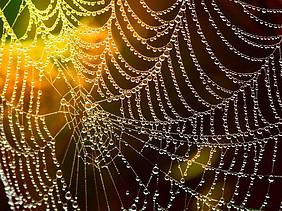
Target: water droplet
68, 195
133, 207
146, 192
271, 179
157, 193
59, 174
166, 177
75, 205
63, 102
155, 170
88, 106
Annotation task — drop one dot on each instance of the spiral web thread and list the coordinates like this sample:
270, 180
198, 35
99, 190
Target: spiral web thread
111, 105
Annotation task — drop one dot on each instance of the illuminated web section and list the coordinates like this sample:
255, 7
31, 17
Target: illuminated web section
139, 105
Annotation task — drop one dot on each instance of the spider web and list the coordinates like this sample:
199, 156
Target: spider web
117, 104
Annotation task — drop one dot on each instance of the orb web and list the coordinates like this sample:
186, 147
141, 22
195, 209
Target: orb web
141, 105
